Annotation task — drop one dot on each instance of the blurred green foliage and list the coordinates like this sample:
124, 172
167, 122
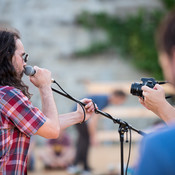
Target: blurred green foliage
169, 4
132, 36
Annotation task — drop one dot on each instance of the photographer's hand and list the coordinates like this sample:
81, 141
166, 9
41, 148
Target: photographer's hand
154, 100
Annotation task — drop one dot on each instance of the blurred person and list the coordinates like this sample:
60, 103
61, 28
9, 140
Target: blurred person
157, 151
19, 119
31, 155
87, 131
58, 153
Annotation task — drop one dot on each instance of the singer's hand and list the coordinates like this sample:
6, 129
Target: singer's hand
89, 108
41, 78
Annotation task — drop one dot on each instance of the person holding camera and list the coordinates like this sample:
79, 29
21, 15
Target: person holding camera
157, 149
154, 99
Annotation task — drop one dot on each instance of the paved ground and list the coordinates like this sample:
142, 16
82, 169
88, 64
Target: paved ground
103, 159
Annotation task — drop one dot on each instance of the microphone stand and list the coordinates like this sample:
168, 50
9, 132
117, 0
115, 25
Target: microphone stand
123, 126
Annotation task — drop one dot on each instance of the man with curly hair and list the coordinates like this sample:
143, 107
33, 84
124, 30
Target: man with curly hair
19, 119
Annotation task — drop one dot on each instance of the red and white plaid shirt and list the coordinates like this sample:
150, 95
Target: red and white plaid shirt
19, 120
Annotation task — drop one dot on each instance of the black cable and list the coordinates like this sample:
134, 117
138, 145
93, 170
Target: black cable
129, 154
169, 96
119, 121
82, 104
64, 90
96, 110
162, 82
165, 82
69, 96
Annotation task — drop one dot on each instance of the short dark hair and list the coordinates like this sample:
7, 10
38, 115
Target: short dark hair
8, 75
165, 37
119, 93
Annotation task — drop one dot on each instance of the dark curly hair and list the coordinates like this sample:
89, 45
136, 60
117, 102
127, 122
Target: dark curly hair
8, 74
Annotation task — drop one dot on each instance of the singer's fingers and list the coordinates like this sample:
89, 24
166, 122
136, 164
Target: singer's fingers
42, 77
36, 68
42, 71
89, 104
86, 100
90, 107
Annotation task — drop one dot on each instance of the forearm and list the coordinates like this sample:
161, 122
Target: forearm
167, 113
48, 104
69, 119
72, 118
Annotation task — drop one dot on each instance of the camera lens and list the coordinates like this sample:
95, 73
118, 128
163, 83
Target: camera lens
136, 89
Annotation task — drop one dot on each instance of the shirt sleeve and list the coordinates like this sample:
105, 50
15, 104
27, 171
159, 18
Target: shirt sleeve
27, 118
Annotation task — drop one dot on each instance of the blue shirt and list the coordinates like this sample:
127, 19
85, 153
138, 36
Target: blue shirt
158, 153
101, 100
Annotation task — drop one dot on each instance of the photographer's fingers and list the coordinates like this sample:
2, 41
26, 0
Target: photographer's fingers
146, 89
156, 90
141, 101
158, 87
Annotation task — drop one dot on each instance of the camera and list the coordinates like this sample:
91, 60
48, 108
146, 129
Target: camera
136, 88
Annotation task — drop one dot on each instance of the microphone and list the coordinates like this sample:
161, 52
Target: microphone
29, 70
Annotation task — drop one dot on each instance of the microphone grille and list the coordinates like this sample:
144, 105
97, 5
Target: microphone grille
29, 70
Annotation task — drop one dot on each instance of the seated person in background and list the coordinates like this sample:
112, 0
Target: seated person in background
59, 153
87, 130
31, 155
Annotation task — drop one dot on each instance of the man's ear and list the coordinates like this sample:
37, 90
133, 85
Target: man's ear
166, 63
172, 62
173, 56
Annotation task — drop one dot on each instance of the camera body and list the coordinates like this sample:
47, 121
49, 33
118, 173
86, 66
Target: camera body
136, 88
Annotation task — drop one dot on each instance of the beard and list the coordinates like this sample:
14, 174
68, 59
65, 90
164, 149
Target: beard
20, 74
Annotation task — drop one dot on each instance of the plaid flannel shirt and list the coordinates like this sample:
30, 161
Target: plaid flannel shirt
19, 120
